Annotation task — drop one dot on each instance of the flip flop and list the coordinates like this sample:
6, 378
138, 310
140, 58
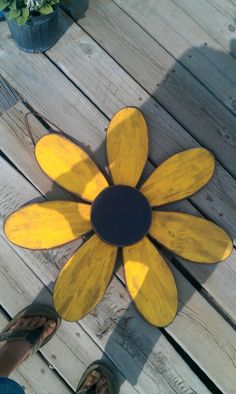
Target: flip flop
32, 335
98, 369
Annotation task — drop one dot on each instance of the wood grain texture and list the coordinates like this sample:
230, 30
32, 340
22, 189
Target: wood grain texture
197, 323
216, 200
83, 280
48, 224
184, 37
69, 166
190, 237
222, 14
44, 87
143, 58
193, 315
150, 283
127, 146
179, 177
8, 96
166, 136
14, 133
144, 359
154, 68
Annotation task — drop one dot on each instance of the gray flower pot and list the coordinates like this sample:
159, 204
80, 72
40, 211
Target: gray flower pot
38, 34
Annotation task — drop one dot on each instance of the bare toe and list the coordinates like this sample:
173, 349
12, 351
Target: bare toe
48, 329
17, 324
101, 387
26, 322
35, 322
104, 389
91, 379
42, 321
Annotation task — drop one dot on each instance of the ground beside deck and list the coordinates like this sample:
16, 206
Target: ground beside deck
176, 61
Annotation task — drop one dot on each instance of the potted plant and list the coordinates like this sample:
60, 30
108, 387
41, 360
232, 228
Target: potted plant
32, 23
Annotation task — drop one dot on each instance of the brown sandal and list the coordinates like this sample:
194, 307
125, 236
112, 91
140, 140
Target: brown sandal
33, 336
97, 370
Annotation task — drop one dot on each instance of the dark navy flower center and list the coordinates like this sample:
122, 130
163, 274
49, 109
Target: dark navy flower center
121, 215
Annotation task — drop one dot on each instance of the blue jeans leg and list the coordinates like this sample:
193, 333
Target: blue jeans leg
9, 386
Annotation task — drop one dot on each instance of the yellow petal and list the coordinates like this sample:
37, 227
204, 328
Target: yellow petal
150, 283
190, 237
179, 177
48, 224
84, 279
69, 166
127, 146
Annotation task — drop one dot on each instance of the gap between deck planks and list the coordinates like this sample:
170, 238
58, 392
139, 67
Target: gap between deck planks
184, 38
159, 143
218, 20
14, 133
35, 375
159, 73
213, 201
114, 324
196, 317
201, 275
212, 275
105, 33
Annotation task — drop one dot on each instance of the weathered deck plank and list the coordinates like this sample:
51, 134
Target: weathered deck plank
159, 73
113, 324
66, 106
185, 39
13, 134
218, 19
159, 141
8, 96
193, 308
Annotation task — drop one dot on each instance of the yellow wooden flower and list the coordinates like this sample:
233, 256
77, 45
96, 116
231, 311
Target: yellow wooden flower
119, 215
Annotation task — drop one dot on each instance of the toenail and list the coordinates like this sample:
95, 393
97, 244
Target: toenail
51, 323
96, 374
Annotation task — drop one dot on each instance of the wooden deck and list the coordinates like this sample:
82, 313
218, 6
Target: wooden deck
176, 61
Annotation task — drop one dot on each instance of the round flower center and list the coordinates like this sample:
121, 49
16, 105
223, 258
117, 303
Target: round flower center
121, 215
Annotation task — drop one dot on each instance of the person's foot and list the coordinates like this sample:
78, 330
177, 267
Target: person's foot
101, 383
13, 353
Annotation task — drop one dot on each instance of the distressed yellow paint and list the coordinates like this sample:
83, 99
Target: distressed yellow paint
84, 279
190, 237
48, 224
179, 177
127, 146
69, 166
150, 283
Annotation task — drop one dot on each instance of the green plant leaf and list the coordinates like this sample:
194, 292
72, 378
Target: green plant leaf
25, 12
4, 4
13, 5
53, 2
20, 20
14, 14
46, 9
